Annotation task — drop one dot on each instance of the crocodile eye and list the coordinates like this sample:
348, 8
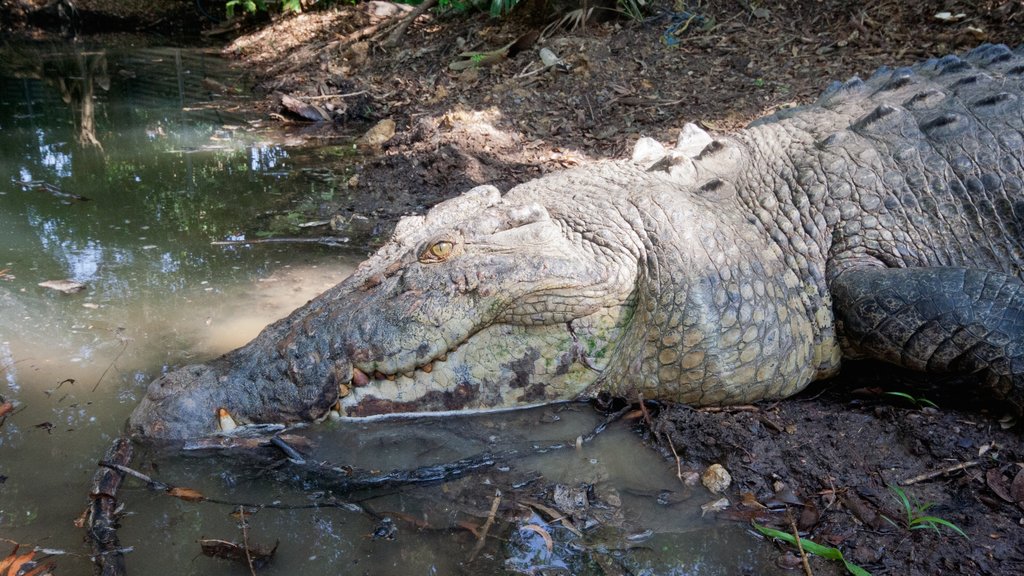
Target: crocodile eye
437, 252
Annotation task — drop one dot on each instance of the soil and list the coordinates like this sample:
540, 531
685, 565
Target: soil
826, 460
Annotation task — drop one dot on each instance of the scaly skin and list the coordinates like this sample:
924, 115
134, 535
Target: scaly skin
882, 221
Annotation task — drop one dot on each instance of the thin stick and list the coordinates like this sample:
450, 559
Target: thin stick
799, 546
111, 365
154, 484
940, 472
679, 463
325, 240
245, 540
481, 539
329, 96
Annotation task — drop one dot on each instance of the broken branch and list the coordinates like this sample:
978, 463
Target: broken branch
101, 516
939, 472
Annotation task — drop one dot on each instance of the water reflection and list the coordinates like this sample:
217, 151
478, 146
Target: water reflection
115, 175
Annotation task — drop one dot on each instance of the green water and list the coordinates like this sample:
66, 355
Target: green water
117, 174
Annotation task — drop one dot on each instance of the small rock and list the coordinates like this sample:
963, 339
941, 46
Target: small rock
690, 478
716, 478
716, 506
379, 134
569, 500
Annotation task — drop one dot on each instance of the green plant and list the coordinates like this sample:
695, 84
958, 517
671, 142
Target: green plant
502, 7
812, 547
253, 6
918, 402
915, 514
632, 9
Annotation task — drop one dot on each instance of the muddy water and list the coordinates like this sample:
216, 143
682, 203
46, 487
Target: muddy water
117, 175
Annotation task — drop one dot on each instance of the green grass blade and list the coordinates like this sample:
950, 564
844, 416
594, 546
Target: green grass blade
813, 548
934, 522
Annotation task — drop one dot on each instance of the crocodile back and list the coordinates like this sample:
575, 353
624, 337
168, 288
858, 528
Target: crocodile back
915, 166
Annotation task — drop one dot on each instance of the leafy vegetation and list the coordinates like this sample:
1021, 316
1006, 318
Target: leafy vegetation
917, 402
813, 548
253, 6
915, 514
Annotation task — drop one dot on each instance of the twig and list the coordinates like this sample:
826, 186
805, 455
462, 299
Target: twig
290, 452
111, 365
940, 472
325, 240
396, 35
481, 539
329, 96
679, 463
123, 469
346, 40
245, 540
799, 545
611, 418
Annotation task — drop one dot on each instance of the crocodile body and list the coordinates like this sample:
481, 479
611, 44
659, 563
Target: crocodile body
884, 220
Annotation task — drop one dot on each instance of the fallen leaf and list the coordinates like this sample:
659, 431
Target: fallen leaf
244, 513
23, 563
186, 494
548, 543
996, 482
260, 555
65, 286
949, 16
1017, 488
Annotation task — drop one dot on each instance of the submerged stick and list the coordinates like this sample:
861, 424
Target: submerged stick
101, 517
482, 538
324, 240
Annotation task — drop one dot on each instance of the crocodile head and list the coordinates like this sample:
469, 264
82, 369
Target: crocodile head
483, 303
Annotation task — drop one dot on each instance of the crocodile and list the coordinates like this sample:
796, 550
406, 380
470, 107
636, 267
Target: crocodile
882, 221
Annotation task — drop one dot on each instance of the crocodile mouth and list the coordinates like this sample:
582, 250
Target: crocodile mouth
375, 379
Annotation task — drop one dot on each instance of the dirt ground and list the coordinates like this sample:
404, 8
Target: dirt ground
826, 460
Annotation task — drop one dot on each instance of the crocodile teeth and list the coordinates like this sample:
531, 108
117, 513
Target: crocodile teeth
227, 423
428, 368
343, 390
359, 378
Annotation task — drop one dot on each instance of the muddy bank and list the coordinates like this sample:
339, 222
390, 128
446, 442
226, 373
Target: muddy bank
500, 121
833, 459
